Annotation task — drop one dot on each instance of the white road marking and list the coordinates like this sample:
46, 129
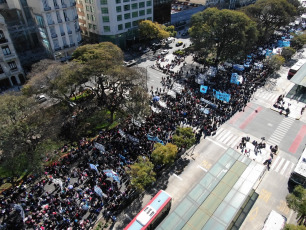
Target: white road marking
275, 163
205, 170
284, 167
177, 176
279, 165
216, 143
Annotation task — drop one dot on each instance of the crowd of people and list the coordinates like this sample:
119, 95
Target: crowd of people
75, 190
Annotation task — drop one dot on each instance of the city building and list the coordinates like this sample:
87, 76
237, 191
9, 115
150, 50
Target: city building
11, 72
162, 11
57, 22
113, 20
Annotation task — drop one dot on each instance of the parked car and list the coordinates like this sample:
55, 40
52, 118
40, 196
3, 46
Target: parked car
146, 50
179, 43
129, 63
164, 52
170, 40
41, 98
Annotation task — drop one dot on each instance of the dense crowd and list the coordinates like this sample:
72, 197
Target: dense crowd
66, 198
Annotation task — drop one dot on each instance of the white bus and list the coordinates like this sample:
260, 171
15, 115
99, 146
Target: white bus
296, 68
298, 176
275, 221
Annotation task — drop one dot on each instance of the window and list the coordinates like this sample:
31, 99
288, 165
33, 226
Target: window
134, 6
141, 4
94, 27
118, 1
126, 0
49, 19
12, 65
127, 16
149, 3
141, 13
89, 26
149, 11
93, 18
120, 27
126, 7
135, 14
105, 19
87, 8
58, 16
127, 25
149, 18
119, 18
6, 50
55, 3
135, 23
71, 39
118, 9
2, 37
106, 28
1, 70
88, 16
64, 41
104, 10
103, 2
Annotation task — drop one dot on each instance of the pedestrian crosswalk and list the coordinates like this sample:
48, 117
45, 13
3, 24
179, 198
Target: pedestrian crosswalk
281, 131
227, 138
282, 166
267, 96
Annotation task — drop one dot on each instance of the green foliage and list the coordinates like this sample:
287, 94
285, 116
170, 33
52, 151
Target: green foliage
298, 41
82, 96
164, 154
142, 174
275, 62
297, 201
171, 31
184, 137
270, 15
294, 227
151, 30
227, 34
287, 53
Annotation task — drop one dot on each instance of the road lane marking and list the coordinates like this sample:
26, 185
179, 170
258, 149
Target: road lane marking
250, 118
177, 176
284, 167
206, 164
275, 162
216, 143
279, 165
264, 195
282, 207
205, 170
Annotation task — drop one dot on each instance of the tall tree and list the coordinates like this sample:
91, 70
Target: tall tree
270, 15
294, 227
298, 41
297, 201
184, 137
151, 30
164, 154
142, 174
225, 34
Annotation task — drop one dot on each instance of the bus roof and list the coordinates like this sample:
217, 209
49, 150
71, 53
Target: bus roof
298, 65
145, 216
300, 167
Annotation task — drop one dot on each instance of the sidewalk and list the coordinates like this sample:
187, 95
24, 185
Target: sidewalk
295, 108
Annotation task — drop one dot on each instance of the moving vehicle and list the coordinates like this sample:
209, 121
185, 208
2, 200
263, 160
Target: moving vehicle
41, 98
275, 221
296, 68
164, 52
129, 63
179, 43
153, 213
298, 175
146, 50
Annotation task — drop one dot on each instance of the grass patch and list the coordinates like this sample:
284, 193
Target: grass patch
82, 96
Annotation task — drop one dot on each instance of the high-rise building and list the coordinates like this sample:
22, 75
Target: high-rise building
11, 72
58, 26
113, 20
162, 11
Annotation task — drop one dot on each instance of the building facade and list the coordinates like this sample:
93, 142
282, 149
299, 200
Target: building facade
11, 72
162, 11
113, 20
57, 22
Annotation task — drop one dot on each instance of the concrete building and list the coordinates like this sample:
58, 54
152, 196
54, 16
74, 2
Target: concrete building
11, 72
58, 26
113, 20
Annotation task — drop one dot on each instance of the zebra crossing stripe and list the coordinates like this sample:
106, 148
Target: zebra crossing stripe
279, 165
284, 167
227, 139
288, 173
225, 135
234, 142
219, 131
275, 163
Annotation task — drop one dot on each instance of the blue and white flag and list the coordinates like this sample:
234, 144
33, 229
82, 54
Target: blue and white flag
98, 190
234, 78
122, 133
203, 88
222, 96
94, 167
111, 173
156, 139
19, 207
132, 138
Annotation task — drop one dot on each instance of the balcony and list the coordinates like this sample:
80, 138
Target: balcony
80, 42
77, 29
57, 48
76, 17
69, 32
47, 8
67, 19
14, 70
3, 40
73, 4
66, 46
50, 22
54, 35
56, 7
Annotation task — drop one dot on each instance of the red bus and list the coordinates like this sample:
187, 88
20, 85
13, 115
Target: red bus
153, 213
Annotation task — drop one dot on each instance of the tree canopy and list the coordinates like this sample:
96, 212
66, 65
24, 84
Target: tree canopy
270, 15
225, 34
297, 201
298, 41
164, 154
149, 30
287, 52
294, 227
184, 137
142, 174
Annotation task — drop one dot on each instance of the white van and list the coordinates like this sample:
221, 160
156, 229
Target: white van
275, 221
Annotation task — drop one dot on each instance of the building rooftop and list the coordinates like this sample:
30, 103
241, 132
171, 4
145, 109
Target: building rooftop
216, 200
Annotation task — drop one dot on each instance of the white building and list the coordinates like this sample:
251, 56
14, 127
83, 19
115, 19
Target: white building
113, 20
58, 25
11, 72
